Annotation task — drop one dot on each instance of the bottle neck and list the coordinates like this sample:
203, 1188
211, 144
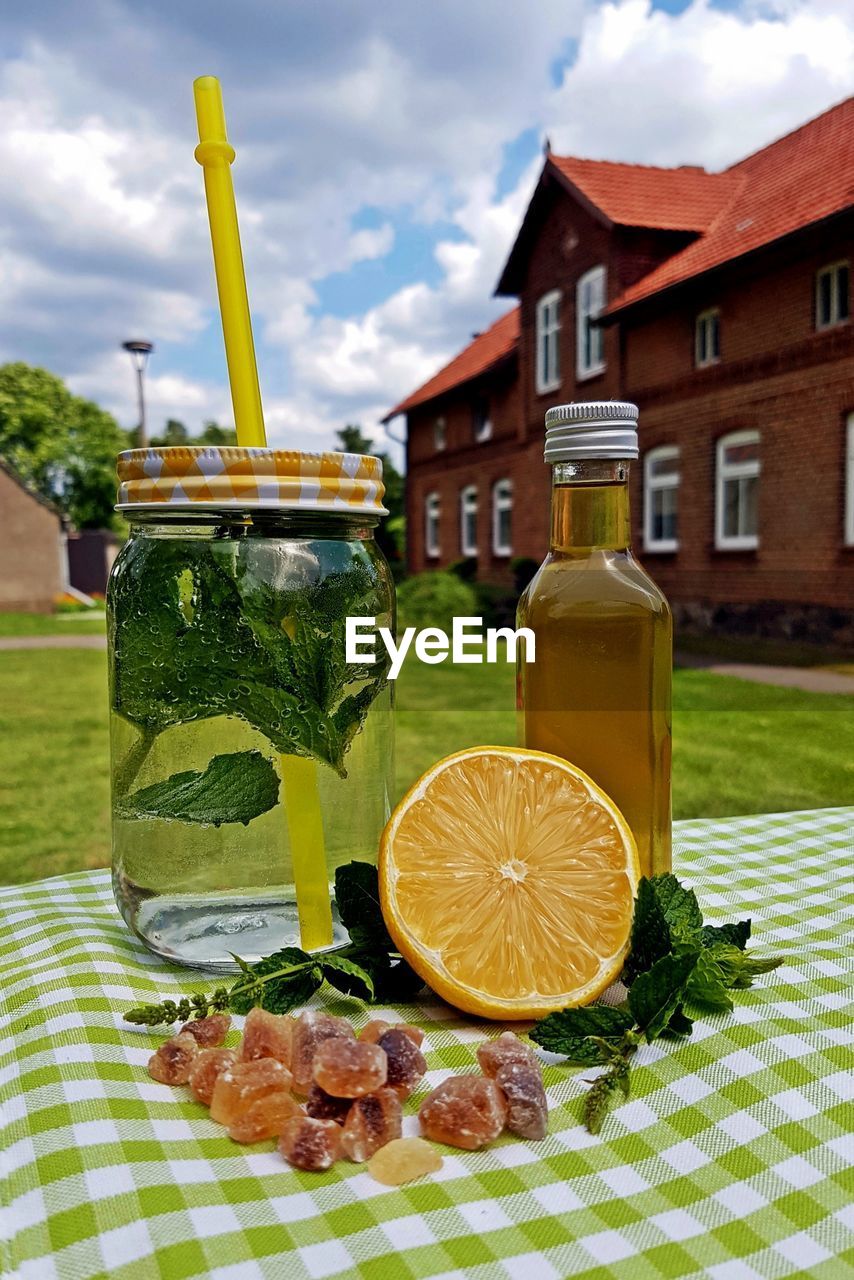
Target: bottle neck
590, 507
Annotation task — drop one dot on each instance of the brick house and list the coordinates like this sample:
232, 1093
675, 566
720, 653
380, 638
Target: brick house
32, 547
720, 304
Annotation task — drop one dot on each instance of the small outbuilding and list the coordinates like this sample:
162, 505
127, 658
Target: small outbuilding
32, 547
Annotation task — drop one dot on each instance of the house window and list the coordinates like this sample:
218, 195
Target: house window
481, 420
431, 524
468, 520
707, 338
737, 499
589, 338
548, 336
440, 434
831, 295
849, 483
661, 499
502, 517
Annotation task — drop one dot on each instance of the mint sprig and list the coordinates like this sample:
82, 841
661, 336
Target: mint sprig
675, 962
368, 967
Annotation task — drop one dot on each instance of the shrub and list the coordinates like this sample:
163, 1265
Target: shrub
434, 599
464, 569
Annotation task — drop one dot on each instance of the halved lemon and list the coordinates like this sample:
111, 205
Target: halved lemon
507, 879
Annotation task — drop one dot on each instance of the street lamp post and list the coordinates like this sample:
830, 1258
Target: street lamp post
139, 352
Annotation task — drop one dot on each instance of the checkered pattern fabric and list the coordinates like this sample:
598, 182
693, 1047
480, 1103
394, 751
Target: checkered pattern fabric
731, 1160
250, 478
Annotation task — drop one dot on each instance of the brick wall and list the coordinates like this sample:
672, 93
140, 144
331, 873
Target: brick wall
776, 375
30, 550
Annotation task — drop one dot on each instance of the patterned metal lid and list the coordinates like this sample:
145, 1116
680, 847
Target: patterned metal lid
248, 479
591, 429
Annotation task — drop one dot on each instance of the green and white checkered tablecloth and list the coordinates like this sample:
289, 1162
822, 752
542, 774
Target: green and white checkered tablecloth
732, 1159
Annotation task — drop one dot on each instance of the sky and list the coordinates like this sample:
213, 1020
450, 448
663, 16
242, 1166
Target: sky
385, 156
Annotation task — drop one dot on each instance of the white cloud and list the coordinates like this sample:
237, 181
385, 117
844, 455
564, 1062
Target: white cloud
704, 86
335, 108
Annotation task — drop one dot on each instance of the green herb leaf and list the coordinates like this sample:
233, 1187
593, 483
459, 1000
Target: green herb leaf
236, 787
678, 904
736, 934
708, 982
574, 1032
655, 995
277, 983
347, 976
201, 637
680, 1024
357, 896
650, 936
740, 967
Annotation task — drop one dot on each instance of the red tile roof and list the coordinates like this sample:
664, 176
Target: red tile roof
488, 349
635, 195
798, 180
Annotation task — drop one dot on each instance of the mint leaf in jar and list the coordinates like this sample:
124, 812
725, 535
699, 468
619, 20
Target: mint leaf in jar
199, 637
236, 787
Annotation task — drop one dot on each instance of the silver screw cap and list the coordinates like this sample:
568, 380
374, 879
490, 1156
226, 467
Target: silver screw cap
591, 429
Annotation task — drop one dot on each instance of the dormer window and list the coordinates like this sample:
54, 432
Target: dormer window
481, 419
548, 342
589, 338
707, 338
440, 438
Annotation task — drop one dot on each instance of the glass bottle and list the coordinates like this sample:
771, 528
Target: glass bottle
232, 705
599, 691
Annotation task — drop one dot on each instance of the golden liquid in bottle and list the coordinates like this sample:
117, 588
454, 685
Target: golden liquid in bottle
598, 693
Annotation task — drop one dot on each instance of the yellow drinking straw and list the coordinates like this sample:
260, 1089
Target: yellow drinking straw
299, 775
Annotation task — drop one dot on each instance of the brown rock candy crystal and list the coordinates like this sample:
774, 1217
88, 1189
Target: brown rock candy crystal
527, 1107
464, 1111
310, 1144
267, 1035
206, 1070
310, 1031
209, 1032
238, 1086
507, 1048
264, 1118
348, 1069
172, 1062
406, 1062
372, 1121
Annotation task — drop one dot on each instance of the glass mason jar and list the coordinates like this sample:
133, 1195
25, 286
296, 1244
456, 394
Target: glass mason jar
249, 759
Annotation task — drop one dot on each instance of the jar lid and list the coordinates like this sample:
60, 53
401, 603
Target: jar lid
195, 477
591, 429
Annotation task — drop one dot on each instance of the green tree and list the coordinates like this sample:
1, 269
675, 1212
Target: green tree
61, 444
391, 533
213, 433
174, 433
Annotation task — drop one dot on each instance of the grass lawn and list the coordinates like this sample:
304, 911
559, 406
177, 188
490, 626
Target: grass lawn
52, 624
739, 747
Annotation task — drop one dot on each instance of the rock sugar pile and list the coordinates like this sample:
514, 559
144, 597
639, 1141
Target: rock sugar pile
352, 1090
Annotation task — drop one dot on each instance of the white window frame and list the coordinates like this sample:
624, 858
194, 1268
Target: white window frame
849, 482
653, 484
702, 325
502, 500
832, 270
440, 434
548, 340
432, 516
483, 432
468, 507
734, 471
596, 279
